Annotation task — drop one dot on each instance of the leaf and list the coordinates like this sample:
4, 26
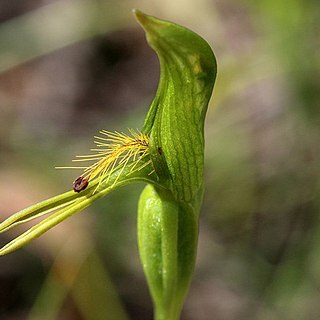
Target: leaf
65, 205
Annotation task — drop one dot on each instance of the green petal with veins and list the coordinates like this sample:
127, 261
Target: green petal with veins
175, 120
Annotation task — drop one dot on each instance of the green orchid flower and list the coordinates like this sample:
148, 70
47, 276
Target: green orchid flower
167, 155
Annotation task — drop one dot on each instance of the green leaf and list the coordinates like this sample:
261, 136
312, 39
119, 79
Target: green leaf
65, 205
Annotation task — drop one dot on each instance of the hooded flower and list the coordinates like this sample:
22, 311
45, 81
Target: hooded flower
168, 155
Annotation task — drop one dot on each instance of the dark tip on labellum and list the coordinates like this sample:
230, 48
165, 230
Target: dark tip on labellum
80, 184
160, 151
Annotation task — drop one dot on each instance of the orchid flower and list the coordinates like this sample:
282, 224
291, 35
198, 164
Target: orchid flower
167, 155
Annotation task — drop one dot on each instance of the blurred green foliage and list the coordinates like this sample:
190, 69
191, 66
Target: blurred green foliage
260, 231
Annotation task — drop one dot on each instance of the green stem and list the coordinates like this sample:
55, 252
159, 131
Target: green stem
167, 235
167, 314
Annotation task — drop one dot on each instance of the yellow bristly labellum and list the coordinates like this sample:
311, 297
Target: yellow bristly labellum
115, 151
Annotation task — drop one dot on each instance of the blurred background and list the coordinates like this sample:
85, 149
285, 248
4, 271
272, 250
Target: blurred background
70, 68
